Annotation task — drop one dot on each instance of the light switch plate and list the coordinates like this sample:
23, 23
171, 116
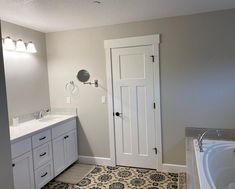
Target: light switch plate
103, 99
68, 100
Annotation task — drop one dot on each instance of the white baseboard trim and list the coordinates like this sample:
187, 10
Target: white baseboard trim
173, 168
95, 160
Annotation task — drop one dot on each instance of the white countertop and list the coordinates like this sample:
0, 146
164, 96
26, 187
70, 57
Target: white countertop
29, 128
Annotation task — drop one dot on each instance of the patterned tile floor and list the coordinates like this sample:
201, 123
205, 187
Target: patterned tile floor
103, 177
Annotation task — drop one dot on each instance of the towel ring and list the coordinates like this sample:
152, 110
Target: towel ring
70, 84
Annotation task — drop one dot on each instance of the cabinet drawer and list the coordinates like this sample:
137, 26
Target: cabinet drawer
41, 138
43, 175
42, 155
20, 147
63, 128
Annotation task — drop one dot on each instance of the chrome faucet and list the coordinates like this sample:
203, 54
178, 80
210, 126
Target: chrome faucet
42, 113
202, 136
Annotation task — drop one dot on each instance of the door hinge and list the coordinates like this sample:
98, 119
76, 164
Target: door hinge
153, 58
155, 149
154, 105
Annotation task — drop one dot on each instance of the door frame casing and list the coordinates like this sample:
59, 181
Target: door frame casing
154, 41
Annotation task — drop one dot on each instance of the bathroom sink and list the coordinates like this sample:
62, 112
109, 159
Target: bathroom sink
48, 118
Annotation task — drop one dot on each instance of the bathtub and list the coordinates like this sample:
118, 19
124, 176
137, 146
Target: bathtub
216, 165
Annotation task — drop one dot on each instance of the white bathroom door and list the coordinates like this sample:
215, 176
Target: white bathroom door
133, 86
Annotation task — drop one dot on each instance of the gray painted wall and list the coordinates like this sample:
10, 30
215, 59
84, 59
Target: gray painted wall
6, 175
197, 76
26, 74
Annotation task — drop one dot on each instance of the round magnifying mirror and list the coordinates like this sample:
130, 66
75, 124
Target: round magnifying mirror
83, 75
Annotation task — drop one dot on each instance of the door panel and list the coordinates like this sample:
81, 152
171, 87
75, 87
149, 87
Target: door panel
71, 154
131, 66
133, 98
141, 120
59, 155
126, 120
23, 172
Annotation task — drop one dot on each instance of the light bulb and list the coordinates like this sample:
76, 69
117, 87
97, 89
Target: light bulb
20, 46
9, 44
31, 47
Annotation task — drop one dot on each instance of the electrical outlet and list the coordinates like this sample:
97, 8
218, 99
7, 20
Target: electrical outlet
68, 100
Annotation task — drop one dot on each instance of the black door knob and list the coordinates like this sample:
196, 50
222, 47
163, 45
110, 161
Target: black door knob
118, 113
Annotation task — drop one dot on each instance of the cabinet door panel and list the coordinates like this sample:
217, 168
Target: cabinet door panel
71, 147
23, 172
59, 155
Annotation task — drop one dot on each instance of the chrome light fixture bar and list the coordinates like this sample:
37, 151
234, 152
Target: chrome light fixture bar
19, 45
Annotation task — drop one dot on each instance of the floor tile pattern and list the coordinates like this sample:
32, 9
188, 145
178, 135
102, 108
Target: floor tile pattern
118, 177
182, 181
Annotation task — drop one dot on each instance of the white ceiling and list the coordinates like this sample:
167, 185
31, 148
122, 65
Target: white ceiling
57, 15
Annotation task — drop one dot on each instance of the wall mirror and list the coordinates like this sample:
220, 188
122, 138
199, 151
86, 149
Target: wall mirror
84, 76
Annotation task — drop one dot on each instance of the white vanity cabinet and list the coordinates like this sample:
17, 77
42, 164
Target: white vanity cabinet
40, 157
64, 146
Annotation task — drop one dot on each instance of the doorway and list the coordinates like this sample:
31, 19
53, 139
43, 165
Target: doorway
134, 101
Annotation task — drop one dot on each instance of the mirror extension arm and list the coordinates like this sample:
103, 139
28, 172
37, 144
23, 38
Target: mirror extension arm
90, 83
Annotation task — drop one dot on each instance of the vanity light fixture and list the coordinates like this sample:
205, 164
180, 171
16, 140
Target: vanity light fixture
31, 47
9, 44
20, 46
